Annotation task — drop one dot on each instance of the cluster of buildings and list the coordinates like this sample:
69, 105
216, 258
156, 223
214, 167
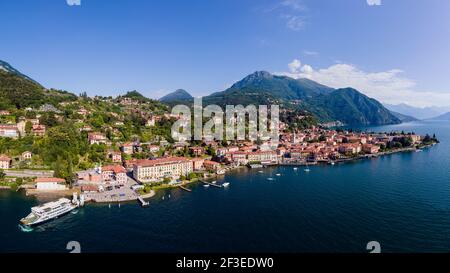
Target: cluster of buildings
312, 145
316, 144
19, 129
100, 178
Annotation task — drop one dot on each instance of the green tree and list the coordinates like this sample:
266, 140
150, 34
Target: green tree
28, 127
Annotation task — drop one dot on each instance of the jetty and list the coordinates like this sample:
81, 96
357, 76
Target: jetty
143, 202
186, 189
211, 184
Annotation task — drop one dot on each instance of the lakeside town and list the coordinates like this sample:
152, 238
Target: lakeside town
130, 170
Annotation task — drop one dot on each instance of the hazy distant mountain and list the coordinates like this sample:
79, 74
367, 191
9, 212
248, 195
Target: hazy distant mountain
177, 96
419, 113
404, 118
445, 116
328, 104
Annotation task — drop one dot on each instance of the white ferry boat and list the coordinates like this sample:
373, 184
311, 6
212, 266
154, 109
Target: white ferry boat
49, 211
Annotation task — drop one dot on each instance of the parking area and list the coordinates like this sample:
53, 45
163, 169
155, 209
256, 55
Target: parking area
113, 194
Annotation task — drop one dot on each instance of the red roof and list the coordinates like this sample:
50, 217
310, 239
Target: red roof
89, 188
209, 162
8, 127
4, 158
161, 161
38, 127
49, 180
114, 168
262, 152
96, 136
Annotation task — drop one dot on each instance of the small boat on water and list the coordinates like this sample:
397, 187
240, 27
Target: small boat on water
214, 182
206, 186
419, 150
226, 184
332, 163
278, 174
307, 170
270, 179
260, 171
295, 169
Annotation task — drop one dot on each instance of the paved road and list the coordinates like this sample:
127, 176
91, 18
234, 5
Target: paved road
28, 173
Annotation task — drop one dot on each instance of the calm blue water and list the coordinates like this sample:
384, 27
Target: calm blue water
402, 201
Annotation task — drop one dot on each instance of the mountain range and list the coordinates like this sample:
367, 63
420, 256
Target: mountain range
346, 105
445, 116
179, 95
327, 104
404, 118
417, 112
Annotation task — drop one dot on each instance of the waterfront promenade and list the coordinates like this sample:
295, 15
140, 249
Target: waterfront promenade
117, 195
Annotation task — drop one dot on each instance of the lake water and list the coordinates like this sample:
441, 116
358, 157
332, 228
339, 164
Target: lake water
402, 201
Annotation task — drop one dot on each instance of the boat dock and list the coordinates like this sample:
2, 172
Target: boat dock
211, 184
143, 202
186, 189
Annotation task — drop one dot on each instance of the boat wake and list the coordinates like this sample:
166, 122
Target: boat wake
25, 228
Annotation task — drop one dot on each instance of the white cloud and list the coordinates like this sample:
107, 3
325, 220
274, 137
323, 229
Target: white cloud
292, 12
310, 53
294, 66
386, 86
294, 4
73, 2
294, 22
374, 2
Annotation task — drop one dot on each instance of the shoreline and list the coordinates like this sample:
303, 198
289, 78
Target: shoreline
153, 192
360, 157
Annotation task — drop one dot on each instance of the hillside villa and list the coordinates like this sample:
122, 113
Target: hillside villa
4, 162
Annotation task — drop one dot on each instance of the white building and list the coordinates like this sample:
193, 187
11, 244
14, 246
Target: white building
50, 184
155, 170
7, 130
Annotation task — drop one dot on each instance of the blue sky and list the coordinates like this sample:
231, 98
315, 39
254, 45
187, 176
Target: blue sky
394, 50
